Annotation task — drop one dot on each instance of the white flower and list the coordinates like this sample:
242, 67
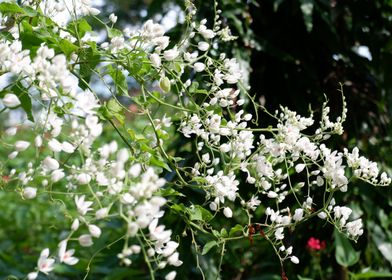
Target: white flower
102, 213
83, 206
45, 264
298, 214
203, 46
322, 215
50, 164
94, 231
171, 275
113, 18
21, 145
299, 167
155, 60
55, 145
10, 100
11, 131
83, 179
29, 193
173, 259
75, 225
272, 194
67, 147
279, 233
32, 275
171, 54
170, 247
13, 155
227, 212
294, 259
85, 240
199, 67
66, 256
38, 141
57, 175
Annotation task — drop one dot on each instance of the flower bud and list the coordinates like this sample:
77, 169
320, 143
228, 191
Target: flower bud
113, 18
50, 163
227, 212
67, 147
85, 240
164, 84
171, 54
294, 260
203, 46
55, 145
29, 193
83, 179
155, 60
57, 175
38, 141
10, 100
102, 213
94, 231
21, 145
199, 67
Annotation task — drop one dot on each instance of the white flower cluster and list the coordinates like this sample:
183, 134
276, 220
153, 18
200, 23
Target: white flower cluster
116, 180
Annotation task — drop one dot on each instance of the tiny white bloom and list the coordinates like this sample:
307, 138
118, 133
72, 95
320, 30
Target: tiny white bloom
10, 100
66, 256
294, 259
29, 193
199, 67
38, 141
113, 18
75, 225
82, 206
83, 179
21, 145
155, 60
102, 213
227, 212
11, 131
171, 54
85, 240
13, 155
203, 46
95, 231
299, 167
32, 275
50, 164
55, 145
45, 264
171, 275
67, 147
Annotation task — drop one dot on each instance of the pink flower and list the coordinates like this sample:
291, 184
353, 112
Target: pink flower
315, 244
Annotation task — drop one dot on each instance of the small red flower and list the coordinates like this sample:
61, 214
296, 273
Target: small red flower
315, 244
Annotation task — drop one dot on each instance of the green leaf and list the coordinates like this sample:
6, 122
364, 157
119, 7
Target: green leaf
199, 213
113, 32
67, 47
11, 8
90, 58
372, 274
164, 84
24, 98
114, 106
209, 246
119, 80
235, 229
345, 254
79, 27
